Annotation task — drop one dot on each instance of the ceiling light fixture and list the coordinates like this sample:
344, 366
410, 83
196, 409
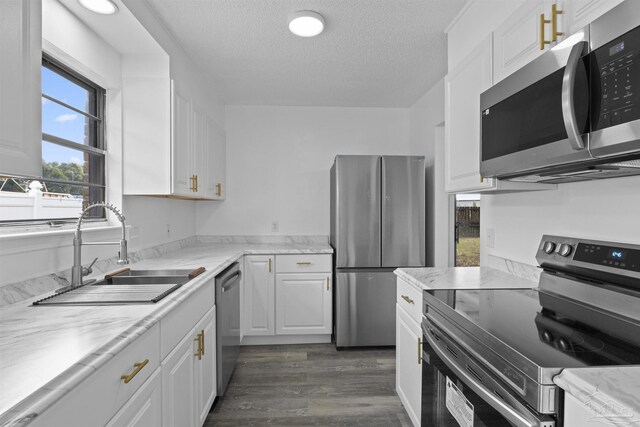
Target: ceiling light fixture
306, 23
103, 7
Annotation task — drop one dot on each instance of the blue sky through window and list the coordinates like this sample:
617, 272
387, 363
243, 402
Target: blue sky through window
60, 121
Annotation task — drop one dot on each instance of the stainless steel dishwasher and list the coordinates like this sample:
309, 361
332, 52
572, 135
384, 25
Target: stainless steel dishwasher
227, 323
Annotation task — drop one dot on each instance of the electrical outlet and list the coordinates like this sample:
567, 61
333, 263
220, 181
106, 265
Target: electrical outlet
168, 231
491, 238
274, 226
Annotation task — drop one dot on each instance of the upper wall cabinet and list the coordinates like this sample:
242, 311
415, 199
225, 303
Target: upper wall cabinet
171, 146
524, 36
20, 117
579, 13
463, 87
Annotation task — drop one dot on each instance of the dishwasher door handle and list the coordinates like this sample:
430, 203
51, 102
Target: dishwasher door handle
231, 281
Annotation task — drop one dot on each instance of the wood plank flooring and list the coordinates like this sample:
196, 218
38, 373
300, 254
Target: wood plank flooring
311, 385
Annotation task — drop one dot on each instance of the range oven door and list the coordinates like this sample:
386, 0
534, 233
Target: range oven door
458, 392
538, 117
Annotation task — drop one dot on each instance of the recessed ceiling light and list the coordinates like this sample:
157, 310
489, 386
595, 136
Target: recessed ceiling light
103, 7
306, 23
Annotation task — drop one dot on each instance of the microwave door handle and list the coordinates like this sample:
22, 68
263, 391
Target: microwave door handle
568, 89
518, 419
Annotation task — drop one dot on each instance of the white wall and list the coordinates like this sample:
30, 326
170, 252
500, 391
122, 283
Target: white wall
426, 132
278, 161
601, 210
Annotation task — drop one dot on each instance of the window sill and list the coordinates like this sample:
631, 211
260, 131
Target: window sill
25, 239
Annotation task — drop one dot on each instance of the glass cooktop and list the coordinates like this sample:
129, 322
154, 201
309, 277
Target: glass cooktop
549, 330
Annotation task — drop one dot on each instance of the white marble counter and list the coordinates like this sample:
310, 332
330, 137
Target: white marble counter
46, 351
611, 393
463, 278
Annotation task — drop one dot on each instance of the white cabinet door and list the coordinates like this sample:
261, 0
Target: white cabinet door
144, 409
303, 303
205, 366
216, 172
579, 13
182, 177
178, 389
259, 295
20, 87
463, 87
517, 41
409, 364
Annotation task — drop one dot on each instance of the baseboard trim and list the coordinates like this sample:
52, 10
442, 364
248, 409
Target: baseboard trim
286, 339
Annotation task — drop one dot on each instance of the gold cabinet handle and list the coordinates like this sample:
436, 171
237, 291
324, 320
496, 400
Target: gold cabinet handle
419, 351
138, 367
199, 352
192, 180
554, 22
407, 299
303, 263
328, 286
202, 337
269, 265
218, 189
542, 40
196, 190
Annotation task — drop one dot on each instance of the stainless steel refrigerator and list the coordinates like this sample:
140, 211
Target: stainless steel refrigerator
377, 225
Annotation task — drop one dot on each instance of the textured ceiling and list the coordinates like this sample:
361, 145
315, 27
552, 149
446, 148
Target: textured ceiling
373, 53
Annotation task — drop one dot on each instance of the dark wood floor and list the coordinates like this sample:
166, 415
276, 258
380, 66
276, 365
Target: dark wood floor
311, 385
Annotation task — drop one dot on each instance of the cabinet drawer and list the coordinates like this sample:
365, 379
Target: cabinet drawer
98, 398
303, 263
410, 299
184, 317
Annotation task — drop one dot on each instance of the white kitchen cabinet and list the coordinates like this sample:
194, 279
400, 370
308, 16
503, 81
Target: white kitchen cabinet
144, 409
189, 376
216, 160
409, 350
171, 145
205, 367
259, 295
516, 41
579, 13
20, 87
100, 397
182, 147
178, 384
463, 87
303, 303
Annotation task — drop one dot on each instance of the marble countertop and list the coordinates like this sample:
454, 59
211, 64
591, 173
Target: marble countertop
610, 393
463, 278
46, 351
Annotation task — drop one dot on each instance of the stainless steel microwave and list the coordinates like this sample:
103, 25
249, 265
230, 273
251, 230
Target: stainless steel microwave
573, 113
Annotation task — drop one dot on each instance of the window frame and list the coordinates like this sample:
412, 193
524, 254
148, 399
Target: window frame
95, 148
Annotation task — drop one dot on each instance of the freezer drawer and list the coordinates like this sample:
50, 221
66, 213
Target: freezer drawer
403, 211
365, 308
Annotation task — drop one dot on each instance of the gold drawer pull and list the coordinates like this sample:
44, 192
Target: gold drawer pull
554, 22
200, 350
303, 262
419, 351
328, 286
269, 265
202, 335
218, 189
543, 21
407, 299
138, 368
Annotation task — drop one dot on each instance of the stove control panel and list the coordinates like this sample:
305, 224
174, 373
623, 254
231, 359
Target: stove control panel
571, 254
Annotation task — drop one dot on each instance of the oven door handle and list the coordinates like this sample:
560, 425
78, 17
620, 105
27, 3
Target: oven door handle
517, 418
568, 90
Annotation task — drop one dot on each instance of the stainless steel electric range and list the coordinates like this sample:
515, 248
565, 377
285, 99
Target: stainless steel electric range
489, 356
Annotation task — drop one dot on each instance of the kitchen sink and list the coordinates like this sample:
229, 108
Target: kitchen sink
124, 287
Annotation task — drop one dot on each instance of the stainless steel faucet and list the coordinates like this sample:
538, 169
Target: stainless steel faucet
78, 271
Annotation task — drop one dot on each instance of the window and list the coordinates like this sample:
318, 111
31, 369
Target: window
73, 153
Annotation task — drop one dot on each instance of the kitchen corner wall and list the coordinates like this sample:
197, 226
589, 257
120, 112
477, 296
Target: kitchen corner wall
601, 210
278, 161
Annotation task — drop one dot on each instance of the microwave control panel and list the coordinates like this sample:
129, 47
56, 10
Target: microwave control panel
617, 64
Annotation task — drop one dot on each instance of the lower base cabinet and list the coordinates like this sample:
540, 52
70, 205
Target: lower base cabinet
409, 364
303, 303
189, 376
144, 409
